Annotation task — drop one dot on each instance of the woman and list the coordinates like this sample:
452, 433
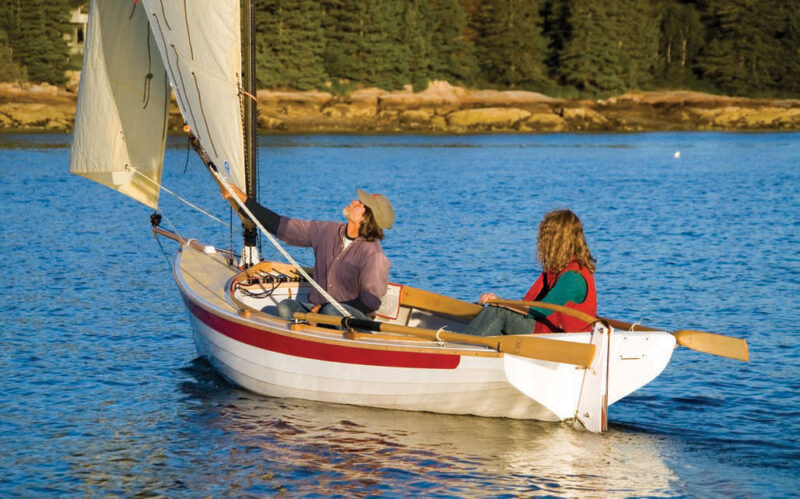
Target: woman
567, 279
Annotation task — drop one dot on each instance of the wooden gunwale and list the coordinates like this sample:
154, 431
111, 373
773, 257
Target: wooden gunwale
316, 334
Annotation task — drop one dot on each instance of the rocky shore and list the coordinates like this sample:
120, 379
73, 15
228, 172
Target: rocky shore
442, 108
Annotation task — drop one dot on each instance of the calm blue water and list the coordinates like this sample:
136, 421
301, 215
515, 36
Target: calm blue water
102, 392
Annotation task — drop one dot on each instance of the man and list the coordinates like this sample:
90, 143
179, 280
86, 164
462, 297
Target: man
349, 261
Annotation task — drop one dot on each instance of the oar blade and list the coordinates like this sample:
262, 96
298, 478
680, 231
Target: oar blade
715, 344
566, 352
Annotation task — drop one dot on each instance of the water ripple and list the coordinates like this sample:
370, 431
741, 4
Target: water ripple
103, 394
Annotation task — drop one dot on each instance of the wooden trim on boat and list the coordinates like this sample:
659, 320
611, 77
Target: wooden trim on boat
626, 326
270, 266
370, 337
337, 337
353, 335
410, 296
192, 243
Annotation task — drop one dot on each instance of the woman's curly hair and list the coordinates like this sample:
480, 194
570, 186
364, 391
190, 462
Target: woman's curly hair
561, 240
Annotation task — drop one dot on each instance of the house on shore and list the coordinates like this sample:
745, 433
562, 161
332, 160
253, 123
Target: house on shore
75, 36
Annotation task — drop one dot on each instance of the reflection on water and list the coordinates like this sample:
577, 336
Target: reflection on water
354, 451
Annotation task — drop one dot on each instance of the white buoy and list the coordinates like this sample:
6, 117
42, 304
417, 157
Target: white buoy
677, 154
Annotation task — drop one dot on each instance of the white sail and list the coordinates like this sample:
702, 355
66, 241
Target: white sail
122, 104
200, 44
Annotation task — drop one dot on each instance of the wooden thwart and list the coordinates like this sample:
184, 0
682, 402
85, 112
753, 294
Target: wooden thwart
567, 352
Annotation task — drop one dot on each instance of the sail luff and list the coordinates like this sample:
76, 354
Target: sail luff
200, 43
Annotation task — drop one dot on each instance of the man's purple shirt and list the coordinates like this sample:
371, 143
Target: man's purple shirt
360, 271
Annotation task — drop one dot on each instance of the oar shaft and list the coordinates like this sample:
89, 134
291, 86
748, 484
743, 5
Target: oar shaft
549, 306
712, 343
567, 352
431, 334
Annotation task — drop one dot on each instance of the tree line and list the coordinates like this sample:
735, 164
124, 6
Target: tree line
32, 44
567, 48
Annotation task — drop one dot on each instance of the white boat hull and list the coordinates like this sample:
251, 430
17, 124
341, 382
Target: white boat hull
266, 355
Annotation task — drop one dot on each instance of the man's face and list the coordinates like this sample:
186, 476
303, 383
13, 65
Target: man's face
354, 212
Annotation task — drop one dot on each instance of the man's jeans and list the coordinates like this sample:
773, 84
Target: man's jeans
288, 307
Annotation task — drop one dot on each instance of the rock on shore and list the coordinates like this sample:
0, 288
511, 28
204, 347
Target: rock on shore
442, 108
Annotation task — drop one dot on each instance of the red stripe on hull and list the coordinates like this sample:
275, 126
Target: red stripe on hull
321, 351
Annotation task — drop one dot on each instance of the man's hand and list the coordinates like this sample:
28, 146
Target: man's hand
315, 310
226, 195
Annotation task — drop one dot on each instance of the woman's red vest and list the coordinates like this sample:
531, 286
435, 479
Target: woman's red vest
557, 321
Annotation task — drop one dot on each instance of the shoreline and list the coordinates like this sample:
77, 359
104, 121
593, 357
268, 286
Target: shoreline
444, 109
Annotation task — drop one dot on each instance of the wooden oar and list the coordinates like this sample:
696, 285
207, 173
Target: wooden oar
567, 352
702, 341
549, 306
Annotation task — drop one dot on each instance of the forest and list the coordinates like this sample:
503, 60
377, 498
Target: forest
562, 48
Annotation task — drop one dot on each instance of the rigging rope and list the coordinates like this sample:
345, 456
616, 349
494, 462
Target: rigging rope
247, 212
277, 245
179, 198
171, 225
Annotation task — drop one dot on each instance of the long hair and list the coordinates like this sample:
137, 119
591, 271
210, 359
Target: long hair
369, 230
561, 240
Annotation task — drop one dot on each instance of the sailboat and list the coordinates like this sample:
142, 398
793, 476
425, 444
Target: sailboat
412, 356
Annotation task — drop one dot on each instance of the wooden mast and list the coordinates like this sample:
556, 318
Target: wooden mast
250, 109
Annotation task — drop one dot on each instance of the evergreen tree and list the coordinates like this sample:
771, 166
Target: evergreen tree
36, 30
788, 80
635, 30
720, 65
590, 60
290, 44
453, 57
610, 45
746, 55
9, 69
511, 48
416, 32
681, 39
390, 52
556, 29
365, 42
